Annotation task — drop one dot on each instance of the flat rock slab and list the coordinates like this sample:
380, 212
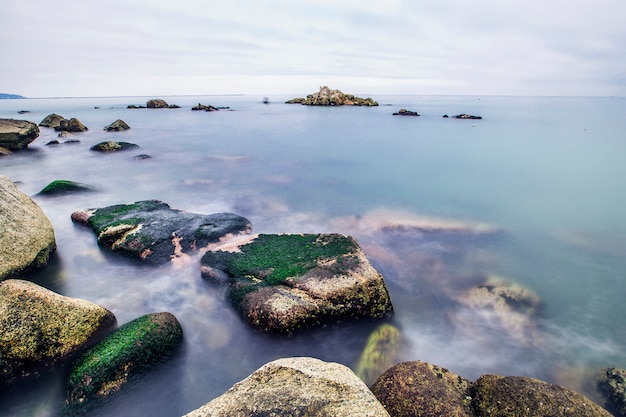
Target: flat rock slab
303, 387
17, 134
39, 328
281, 283
152, 232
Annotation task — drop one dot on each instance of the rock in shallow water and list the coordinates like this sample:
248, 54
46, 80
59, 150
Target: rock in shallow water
17, 134
303, 387
152, 232
282, 283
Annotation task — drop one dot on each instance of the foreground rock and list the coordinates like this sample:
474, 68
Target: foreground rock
612, 385
152, 232
117, 126
281, 283
52, 120
63, 187
71, 125
303, 387
17, 134
329, 97
27, 239
422, 389
39, 328
112, 146
516, 396
121, 357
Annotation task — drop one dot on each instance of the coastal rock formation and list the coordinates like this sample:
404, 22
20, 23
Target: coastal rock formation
152, 232
405, 112
121, 357
282, 283
380, 353
52, 120
467, 116
112, 146
612, 385
39, 328
516, 396
303, 387
71, 125
157, 104
421, 389
17, 134
329, 97
61, 187
27, 239
204, 107
117, 126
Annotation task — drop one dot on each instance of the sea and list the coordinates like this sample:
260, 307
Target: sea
533, 195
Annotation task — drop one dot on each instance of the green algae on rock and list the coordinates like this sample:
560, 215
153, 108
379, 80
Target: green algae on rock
124, 355
381, 350
57, 187
112, 146
152, 232
281, 283
40, 328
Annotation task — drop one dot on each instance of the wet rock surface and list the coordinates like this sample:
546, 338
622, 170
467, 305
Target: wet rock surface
17, 134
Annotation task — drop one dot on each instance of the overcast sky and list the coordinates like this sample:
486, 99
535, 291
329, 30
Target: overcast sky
167, 47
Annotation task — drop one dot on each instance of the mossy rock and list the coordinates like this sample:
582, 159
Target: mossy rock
112, 146
612, 386
123, 356
57, 187
381, 350
516, 396
281, 283
422, 389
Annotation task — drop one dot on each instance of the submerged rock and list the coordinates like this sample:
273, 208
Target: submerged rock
27, 239
71, 125
121, 357
58, 187
17, 134
39, 328
421, 389
112, 146
467, 116
282, 283
303, 387
380, 353
612, 386
152, 232
517, 396
52, 120
329, 97
117, 126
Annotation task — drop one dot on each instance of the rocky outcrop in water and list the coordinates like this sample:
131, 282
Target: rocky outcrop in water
113, 146
405, 112
612, 386
71, 125
52, 120
329, 97
117, 126
123, 356
63, 187
27, 239
203, 107
152, 232
17, 134
39, 328
303, 387
282, 283
467, 116
422, 389
157, 104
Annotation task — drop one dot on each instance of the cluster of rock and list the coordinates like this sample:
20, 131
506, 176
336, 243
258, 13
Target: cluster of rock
405, 112
204, 107
464, 116
329, 97
155, 103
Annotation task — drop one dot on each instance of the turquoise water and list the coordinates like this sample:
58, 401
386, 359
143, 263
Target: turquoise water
547, 172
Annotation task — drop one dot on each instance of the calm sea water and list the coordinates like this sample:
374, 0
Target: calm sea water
547, 172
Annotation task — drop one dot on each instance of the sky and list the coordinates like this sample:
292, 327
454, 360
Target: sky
196, 47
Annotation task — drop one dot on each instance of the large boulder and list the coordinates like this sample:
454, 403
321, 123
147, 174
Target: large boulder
421, 389
303, 387
329, 97
40, 328
27, 238
612, 386
123, 356
117, 126
152, 232
71, 125
281, 283
52, 120
517, 396
17, 134
157, 104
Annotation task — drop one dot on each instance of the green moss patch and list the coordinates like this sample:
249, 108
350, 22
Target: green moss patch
64, 187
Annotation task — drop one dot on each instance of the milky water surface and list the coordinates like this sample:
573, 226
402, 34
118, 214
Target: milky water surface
546, 173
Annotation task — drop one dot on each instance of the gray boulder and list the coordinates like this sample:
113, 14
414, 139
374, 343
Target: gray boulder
123, 356
112, 146
39, 328
152, 232
157, 104
52, 120
303, 387
71, 125
17, 134
117, 126
282, 283
27, 239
